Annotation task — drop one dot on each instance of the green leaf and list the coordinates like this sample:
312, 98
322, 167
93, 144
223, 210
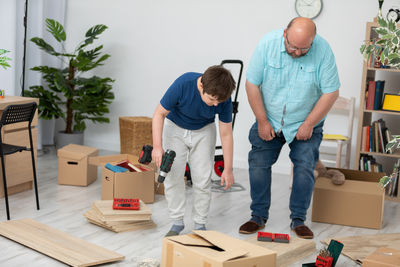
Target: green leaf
381, 31
92, 34
395, 40
362, 48
392, 26
56, 29
382, 22
43, 45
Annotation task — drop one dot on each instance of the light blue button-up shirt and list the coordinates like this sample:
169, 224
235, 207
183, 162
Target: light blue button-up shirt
291, 87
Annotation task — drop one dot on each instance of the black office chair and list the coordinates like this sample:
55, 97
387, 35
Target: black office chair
14, 114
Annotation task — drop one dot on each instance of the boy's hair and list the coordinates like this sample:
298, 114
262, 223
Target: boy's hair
218, 82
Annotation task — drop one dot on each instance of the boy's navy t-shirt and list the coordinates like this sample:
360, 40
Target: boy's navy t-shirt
187, 109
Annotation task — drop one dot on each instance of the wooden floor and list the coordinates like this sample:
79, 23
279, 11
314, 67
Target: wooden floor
62, 207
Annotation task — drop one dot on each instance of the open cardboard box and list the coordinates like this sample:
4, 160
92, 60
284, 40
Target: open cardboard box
127, 184
358, 202
213, 249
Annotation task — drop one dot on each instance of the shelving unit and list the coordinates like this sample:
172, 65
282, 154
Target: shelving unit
364, 115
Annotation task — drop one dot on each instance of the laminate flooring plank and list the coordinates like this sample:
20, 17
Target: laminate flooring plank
56, 244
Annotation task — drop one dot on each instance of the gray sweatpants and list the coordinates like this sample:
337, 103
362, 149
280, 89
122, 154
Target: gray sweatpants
198, 148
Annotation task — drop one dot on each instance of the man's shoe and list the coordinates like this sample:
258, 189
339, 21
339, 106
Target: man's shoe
303, 231
250, 227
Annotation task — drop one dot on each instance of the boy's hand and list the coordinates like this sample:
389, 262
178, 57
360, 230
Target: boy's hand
156, 155
227, 178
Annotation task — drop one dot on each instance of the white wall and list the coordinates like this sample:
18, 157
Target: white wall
152, 42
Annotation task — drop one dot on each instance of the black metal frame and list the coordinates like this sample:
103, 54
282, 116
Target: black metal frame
15, 114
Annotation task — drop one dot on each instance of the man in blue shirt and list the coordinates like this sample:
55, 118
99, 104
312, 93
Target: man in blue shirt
184, 122
292, 83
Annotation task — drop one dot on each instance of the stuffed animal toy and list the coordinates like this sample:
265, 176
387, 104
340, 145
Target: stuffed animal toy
336, 176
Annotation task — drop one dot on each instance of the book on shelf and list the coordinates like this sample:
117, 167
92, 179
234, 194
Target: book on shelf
379, 88
371, 95
375, 137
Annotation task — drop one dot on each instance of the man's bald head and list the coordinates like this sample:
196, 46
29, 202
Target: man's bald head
299, 36
302, 25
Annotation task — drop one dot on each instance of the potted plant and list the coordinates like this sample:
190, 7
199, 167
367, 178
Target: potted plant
69, 93
386, 47
3, 59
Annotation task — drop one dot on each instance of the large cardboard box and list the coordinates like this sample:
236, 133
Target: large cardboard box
358, 202
135, 132
213, 249
128, 184
383, 257
73, 167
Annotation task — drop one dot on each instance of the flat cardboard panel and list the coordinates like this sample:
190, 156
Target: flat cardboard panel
233, 253
73, 166
287, 253
355, 203
57, 244
383, 257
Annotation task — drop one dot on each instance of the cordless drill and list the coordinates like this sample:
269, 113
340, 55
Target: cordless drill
166, 163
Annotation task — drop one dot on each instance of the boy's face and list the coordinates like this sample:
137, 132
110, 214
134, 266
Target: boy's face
209, 99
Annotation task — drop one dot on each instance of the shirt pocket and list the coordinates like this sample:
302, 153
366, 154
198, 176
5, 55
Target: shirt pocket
273, 74
306, 85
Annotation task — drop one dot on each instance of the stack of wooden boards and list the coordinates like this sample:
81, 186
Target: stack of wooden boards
102, 214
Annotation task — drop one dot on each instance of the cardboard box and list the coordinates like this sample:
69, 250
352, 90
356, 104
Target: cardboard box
358, 202
383, 257
135, 132
73, 167
125, 185
213, 249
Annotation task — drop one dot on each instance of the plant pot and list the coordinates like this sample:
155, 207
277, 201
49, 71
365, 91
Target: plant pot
63, 139
46, 129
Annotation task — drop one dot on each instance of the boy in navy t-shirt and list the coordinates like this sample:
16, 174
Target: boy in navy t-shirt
184, 122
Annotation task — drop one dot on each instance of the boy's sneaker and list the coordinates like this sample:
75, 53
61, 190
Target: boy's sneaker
175, 230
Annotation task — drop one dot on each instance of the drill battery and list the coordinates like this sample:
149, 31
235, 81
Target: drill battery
126, 204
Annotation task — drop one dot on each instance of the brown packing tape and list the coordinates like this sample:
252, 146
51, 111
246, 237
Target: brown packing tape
170, 255
206, 264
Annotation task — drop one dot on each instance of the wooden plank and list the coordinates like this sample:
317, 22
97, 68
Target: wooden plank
142, 225
107, 214
57, 244
287, 253
121, 227
359, 247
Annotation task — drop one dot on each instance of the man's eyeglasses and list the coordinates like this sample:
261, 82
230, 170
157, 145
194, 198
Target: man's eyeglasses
302, 50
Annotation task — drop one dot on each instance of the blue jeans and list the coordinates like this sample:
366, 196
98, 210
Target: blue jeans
263, 154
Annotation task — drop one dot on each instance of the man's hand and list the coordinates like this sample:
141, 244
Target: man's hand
304, 132
227, 179
156, 155
266, 131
